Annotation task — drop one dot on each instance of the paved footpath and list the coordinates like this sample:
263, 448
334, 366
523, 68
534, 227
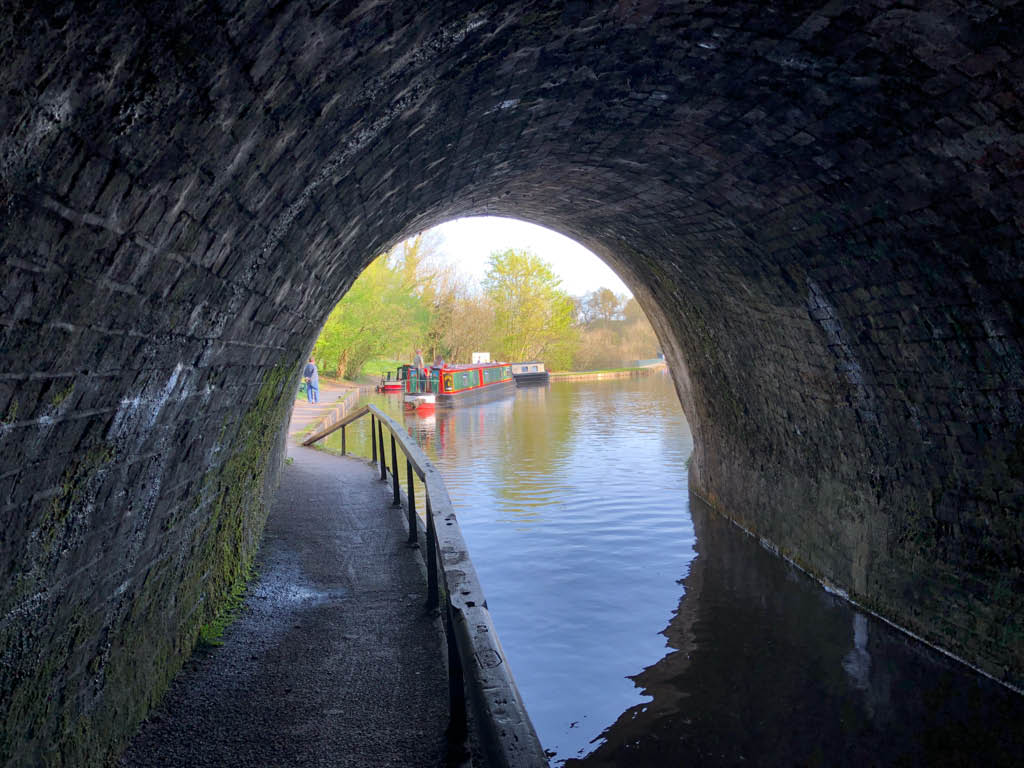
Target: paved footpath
334, 661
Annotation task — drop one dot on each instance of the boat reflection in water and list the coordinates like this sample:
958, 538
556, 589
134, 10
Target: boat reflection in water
438, 430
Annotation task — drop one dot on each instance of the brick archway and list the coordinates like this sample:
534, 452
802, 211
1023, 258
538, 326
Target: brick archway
819, 207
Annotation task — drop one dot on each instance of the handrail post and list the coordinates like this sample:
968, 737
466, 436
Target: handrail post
342, 440
432, 598
397, 501
413, 532
383, 463
457, 719
373, 436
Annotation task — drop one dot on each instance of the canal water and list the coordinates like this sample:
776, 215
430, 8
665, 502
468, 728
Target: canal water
645, 630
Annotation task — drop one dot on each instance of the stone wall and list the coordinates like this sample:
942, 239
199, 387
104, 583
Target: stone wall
819, 205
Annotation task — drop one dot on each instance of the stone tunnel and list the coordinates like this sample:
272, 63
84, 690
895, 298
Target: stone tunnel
820, 206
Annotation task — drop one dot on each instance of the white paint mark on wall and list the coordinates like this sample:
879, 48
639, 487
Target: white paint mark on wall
144, 409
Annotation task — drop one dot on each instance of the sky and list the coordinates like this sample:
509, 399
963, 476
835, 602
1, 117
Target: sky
467, 243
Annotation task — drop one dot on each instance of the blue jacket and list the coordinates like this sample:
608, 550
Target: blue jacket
309, 372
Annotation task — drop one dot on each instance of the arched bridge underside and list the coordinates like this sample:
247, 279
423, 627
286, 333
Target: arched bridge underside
818, 204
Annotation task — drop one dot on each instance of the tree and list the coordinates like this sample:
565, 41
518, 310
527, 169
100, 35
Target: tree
461, 320
640, 342
415, 258
613, 331
632, 313
381, 312
602, 304
471, 328
533, 317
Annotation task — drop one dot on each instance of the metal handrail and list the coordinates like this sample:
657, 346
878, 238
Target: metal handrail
476, 660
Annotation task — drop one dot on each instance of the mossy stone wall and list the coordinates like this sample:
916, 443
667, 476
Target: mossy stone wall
87, 658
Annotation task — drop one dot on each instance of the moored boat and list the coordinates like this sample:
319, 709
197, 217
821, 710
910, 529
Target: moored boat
453, 385
530, 372
397, 384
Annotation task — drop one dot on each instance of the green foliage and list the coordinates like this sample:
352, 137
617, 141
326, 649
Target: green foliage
380, 366
533, 316
403, 301
381, 312
462, 322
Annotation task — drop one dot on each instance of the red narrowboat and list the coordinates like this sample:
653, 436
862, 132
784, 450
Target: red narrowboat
397, 384
454, 385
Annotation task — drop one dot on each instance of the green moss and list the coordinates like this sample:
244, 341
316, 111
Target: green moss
211, 634
38, 700
62, 395
12, 413
208, 588
175, 605
238, 512
73, 489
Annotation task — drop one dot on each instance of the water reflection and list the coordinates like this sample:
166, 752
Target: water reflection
769, 669
857, 662
573, 500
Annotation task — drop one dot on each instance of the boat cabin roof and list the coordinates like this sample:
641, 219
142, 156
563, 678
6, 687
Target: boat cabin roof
472, 366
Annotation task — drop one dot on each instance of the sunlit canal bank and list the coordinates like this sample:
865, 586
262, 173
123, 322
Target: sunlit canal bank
645, 630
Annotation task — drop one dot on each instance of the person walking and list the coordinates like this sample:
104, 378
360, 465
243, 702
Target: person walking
309, 373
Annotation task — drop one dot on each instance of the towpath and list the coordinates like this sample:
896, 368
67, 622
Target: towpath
333, 661
305, 413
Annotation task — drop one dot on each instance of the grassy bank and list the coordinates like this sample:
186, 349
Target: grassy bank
379, 367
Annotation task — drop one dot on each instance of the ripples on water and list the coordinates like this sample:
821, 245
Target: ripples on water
631, 649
